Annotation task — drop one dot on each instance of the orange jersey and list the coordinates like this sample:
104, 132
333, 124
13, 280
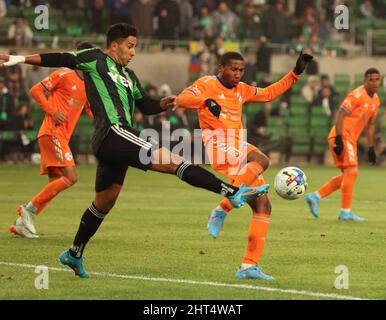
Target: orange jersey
63, 91
231, 100
361, 109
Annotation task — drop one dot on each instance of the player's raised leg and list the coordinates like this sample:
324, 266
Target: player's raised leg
249, 174
201, 178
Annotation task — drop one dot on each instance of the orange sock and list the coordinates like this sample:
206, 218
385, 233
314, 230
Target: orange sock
256, 238
49, 192
250, 174
348, 183
330, 186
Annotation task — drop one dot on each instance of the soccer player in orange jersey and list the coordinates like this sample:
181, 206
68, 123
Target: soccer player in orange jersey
357, 111
218, 100
62, 96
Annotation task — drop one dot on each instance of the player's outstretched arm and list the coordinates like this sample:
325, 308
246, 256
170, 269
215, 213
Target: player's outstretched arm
10, 60
278, 88
50, 60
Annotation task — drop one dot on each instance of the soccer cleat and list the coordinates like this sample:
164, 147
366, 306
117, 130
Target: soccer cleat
18, 229
245, 194
28, 218
349, 216
253, 272
215, 222
313, 202
75, 264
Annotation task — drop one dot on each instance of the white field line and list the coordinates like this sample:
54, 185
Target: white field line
201, 283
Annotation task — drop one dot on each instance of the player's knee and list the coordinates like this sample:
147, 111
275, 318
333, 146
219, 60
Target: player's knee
265, 162
351, 171
105, 205
72, 179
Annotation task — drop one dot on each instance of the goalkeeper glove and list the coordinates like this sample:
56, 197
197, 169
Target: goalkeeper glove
302, 62
372, 155
338, 145
11, 60
213, 107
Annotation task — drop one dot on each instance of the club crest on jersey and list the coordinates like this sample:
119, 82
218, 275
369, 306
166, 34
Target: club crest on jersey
68, 156
239, 97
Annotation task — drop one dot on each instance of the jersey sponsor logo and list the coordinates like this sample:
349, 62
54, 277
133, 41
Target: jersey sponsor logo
117, 78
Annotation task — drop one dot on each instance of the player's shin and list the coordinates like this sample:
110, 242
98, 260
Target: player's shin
348, 182
257, 232
201, 178
89, 224
49, 192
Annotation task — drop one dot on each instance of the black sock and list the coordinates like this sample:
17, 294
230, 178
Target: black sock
89, 224
201, 178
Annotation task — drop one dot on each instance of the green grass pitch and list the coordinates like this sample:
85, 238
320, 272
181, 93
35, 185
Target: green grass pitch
158, 231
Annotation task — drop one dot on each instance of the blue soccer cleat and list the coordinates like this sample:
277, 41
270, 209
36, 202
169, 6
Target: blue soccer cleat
215, 222
313, 202
253, 272
349, 216
245, 194
75, 264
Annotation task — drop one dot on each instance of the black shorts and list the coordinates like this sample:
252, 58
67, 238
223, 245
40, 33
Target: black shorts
121, 148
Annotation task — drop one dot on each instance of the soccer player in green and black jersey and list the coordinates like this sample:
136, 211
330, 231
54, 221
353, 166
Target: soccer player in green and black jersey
113, 92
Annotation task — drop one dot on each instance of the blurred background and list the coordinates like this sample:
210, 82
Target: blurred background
181, 40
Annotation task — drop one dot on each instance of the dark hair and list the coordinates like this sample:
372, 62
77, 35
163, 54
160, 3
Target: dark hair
120, 31
84, 45
226, 57
371, 71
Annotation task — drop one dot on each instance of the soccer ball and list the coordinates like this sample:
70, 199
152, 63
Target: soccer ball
290, 183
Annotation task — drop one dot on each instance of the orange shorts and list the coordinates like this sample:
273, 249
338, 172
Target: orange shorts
229, 156
349, 157
54, 153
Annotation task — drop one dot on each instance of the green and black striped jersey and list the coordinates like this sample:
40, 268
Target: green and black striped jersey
113, 91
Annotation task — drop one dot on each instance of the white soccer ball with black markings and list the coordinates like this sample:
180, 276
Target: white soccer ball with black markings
290, 183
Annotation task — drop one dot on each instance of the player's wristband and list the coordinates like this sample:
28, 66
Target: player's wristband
14, 60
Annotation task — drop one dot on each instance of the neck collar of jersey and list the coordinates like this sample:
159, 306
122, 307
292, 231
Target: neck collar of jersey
368, 93
223, 82
79, 76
